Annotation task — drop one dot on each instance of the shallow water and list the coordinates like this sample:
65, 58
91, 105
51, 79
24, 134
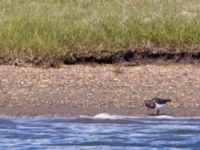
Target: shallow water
99, 132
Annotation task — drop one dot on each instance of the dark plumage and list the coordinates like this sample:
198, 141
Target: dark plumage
156, 103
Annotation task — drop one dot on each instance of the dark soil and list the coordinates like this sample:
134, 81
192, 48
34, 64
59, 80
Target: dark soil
137, 57
129, 57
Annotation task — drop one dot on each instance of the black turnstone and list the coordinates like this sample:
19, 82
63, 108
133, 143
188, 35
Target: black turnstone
156, 103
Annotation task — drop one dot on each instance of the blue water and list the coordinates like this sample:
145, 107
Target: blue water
99, 132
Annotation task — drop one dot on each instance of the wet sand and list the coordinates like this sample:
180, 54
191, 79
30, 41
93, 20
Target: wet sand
90, 89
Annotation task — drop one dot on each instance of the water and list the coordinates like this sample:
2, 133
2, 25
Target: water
100, 132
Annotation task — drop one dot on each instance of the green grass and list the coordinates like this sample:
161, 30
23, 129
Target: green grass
60, 28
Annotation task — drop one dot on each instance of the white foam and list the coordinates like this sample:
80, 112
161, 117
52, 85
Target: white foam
164, 117
107, 116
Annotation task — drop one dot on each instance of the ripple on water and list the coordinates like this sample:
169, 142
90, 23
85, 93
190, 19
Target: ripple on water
103, 130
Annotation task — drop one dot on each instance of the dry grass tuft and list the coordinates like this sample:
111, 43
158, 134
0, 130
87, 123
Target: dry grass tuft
117, 69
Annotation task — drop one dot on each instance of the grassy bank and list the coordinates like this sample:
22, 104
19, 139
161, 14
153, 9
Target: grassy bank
53, 30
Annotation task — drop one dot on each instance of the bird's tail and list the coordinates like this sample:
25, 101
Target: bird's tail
168, 100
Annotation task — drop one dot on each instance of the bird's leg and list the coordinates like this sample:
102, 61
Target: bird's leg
158, 111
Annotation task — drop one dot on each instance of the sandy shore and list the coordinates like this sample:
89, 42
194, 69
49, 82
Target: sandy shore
91, 89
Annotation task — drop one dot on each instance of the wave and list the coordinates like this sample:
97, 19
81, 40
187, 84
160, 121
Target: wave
100, 116
109, 116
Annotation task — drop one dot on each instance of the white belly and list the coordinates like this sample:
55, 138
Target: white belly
158, 106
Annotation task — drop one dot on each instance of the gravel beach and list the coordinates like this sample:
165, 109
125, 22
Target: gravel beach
90, 89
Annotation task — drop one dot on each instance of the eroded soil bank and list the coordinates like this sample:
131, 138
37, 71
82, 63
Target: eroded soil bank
92, 89
140, 56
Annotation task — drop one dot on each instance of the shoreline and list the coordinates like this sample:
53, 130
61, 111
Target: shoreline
75, 90
52, 112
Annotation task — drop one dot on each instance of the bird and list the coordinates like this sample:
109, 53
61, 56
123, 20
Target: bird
156, 103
